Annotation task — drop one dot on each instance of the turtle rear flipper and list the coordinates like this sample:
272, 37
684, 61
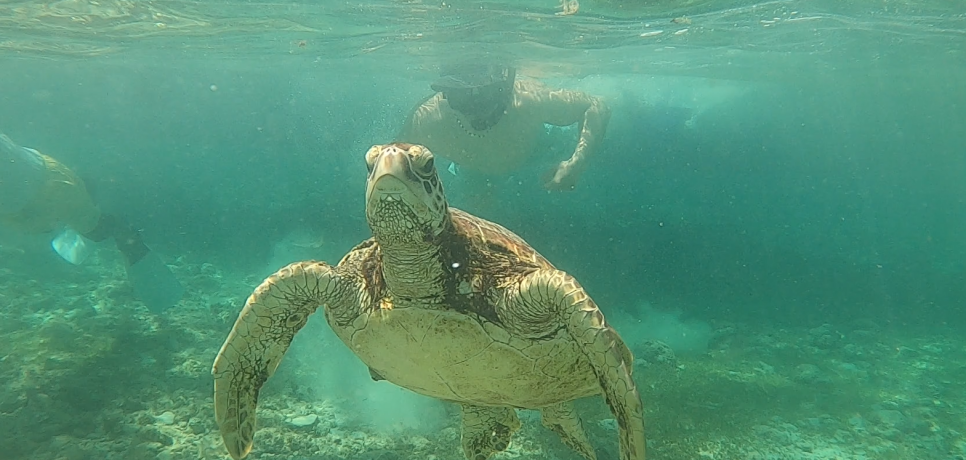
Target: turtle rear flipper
487, 430
278, 308
563, 420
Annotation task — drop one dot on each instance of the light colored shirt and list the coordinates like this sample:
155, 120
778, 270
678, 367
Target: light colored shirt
505, 146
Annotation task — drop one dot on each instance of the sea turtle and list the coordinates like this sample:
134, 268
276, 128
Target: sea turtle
447, 305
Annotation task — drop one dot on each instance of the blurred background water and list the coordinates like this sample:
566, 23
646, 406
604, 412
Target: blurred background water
807, 153
783, 162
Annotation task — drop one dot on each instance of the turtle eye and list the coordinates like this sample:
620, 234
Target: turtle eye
428, 166
371, 156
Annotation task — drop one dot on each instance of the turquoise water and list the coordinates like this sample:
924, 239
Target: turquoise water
779, 198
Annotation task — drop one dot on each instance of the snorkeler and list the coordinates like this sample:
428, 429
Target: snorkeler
484, 119
40, 195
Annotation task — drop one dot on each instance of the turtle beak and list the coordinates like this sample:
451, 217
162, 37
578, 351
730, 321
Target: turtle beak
395, 192
391, 176
400, 203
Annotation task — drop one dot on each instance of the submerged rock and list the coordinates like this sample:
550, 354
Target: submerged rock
655, 352
304, 420
166, 418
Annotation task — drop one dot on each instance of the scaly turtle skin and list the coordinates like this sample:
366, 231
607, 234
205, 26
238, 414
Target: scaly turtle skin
447, 305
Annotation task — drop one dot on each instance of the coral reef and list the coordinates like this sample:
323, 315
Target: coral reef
88, 373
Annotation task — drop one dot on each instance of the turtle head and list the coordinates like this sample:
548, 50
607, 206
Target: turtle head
404, 197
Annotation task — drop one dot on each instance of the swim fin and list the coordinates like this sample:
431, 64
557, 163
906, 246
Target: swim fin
71, 246
154, 284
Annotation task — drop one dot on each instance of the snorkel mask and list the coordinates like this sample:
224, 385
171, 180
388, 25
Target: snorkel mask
482, 93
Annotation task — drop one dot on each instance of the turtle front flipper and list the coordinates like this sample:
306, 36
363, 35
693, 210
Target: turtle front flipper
487, 430
278, 308
563, 419
554, 297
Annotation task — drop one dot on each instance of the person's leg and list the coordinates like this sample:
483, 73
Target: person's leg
153, 282
60, 200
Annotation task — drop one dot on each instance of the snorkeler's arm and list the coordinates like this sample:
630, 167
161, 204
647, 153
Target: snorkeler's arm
564, 107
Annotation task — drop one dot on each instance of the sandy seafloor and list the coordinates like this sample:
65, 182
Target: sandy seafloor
86, 372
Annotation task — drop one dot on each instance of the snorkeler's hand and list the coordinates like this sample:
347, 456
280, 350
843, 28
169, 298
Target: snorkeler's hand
561, 177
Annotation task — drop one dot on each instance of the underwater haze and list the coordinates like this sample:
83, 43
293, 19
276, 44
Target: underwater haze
775, 221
